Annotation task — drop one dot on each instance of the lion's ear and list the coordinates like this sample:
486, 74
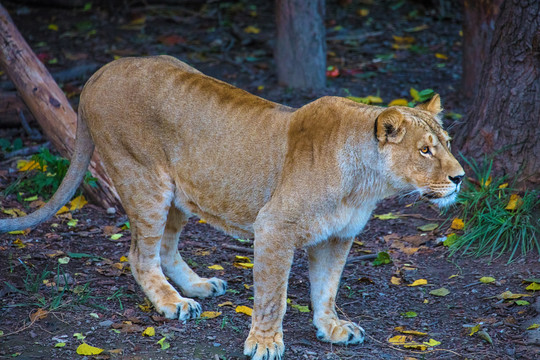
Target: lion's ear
433, 105
389, 126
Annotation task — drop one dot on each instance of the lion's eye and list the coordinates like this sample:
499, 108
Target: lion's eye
425, 150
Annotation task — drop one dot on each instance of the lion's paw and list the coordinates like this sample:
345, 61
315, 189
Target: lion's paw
206, 288
183, 309
340, 332
264, 347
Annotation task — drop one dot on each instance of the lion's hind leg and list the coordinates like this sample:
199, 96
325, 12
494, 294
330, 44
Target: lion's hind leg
326, 262
176, 268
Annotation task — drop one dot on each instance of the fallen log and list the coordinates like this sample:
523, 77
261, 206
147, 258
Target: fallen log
48, 104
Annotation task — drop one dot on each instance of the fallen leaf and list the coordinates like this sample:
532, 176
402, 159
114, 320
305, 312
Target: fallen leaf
414, 94
72, 222
116, 236
53, 27
522, 302
85, 349
419, 282
440, 292
244, 310
409, 314
388, 216
301, 308
432, 343
164, 344
503, 186
485, 336
515, 202
509, 295
60, 344
215, 267
19, 232
457, 224
38, 315
149, 331
77, 203
415, 345
243, 265
14, 212
453, 276
475, 329
450, 239
252, 30
533, 326
123, 259
398, 102
63, 209
27, 165
202, 221
533, 287
79, 336
403, 39
210, 314
428, 227
31, 198
402, 330
441, 56
395, 280
64, 260
485, 182
94, 315
19, 244
398, 339
487, 279
226, 303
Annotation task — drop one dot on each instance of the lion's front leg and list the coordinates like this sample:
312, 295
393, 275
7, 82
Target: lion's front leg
326, 262
273, 259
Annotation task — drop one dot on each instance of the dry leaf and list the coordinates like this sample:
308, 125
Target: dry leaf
226, 303
85, 349
63, 209
252, 30
244, 310
441, 56
395, 280
432, 343
428, 227
77, 203
388, 216
402, 330
419, 282
38, 315
398, 102
533, 326
216, 267
398, 339
123, 259
487, 279
164, 344
440, 292
515, 202
533, 286
210, 314
415, 345
149, 331
244, 265
509, 295
457, 224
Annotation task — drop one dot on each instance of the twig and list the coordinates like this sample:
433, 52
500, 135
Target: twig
354, 36
27, 150
361, 258
238, 248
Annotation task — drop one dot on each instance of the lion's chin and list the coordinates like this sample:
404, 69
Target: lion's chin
443, 202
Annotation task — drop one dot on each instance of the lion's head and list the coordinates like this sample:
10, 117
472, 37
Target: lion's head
417, 151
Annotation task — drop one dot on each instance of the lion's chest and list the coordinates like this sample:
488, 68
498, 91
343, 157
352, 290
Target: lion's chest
356, 222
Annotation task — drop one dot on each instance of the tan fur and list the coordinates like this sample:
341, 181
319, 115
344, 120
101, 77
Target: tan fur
176, 142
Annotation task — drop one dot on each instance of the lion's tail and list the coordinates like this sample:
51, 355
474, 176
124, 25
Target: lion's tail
84, 147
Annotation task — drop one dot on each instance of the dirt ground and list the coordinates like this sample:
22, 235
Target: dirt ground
60, 280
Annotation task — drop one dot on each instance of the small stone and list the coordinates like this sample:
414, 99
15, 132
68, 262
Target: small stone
111, 211
106, 323
217, 344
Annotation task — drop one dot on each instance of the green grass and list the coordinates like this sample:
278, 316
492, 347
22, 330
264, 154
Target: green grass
44, 183
490, 228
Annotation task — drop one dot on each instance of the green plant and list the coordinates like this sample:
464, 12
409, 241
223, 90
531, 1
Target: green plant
44, 182
7, 146
497, 220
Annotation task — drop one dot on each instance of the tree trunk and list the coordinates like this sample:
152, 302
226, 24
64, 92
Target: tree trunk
478, 25
506, 111
300, 51
47, 103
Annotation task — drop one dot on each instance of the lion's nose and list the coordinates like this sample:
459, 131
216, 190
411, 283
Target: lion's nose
456, 179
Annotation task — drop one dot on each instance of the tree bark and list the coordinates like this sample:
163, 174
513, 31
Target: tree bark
300, 51
506, 111
478, 25
48, 104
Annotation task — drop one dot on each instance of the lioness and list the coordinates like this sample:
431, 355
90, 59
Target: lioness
176, 142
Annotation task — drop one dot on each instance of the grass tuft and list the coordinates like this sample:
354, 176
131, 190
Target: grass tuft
493, 226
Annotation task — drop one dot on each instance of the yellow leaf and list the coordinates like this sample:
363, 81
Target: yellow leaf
457, 224
118, 266
514, 203
403, 39
395, 280
487, 279
13, 212
78, 202
398, 339
53, 27
415, 345
123, 259
441, 56
533, 287
19, 232
387, 216
248, 286
363, 12
485, 183
374, 99
202, 221
116, 236
509, 295
226, 303
72, 222
414, 94
242, 259
210, 314
453, 276
503, 186
402, 330
164, 344
533, 326
432, 343
359, 243
244, 310
19, 244
85, 349
260, 87
244, 265
398, 102
419, 282
60, 344
63, 209
216, 267
252, 30
27, 165
149, 331
475, 329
